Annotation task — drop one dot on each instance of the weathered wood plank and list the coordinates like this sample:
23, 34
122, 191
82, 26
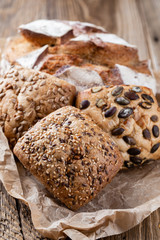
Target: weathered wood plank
149, 13
29, 232
130, 27
151, 22
10, 227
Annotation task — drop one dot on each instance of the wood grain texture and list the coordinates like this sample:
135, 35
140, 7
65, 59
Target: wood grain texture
29, 232
10, 227
136, 21
151, 23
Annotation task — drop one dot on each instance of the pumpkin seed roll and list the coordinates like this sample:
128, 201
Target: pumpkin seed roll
131, 116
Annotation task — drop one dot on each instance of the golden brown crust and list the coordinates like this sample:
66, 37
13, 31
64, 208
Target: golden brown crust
41, 39
17, 47
142, 67
83, 54
70, 155
55, 32
130, 115
56, 61
27, 96
109, 54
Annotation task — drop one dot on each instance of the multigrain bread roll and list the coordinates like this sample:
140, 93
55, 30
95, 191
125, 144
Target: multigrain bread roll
26, 96
70, 155
130, 115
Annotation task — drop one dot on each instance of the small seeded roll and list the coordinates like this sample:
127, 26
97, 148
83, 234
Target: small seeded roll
27, 96
70, 155
130, 114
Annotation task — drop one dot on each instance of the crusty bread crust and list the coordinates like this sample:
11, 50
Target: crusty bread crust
17, 47
56, 32
109, 54
41, 39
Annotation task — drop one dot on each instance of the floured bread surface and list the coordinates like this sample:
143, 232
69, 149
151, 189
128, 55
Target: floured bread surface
70, 155
33, 59
129, 76
45, 31
100, 38
89, 75
26, 96
80, 77
131, 116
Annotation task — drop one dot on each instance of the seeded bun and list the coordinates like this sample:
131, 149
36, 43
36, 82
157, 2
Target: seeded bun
130, 115
70, 155
28, 95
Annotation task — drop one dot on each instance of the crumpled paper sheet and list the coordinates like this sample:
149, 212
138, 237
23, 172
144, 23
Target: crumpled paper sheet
122, 204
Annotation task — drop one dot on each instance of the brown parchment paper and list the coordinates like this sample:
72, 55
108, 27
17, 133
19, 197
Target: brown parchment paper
122, 204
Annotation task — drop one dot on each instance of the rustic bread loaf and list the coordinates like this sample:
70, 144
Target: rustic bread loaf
100, 48
79, 44
130, 115
19, 50
26, 96
70, 155
83, 39
83, 75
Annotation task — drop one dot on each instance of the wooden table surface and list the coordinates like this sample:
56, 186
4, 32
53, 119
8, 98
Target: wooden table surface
136, 21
